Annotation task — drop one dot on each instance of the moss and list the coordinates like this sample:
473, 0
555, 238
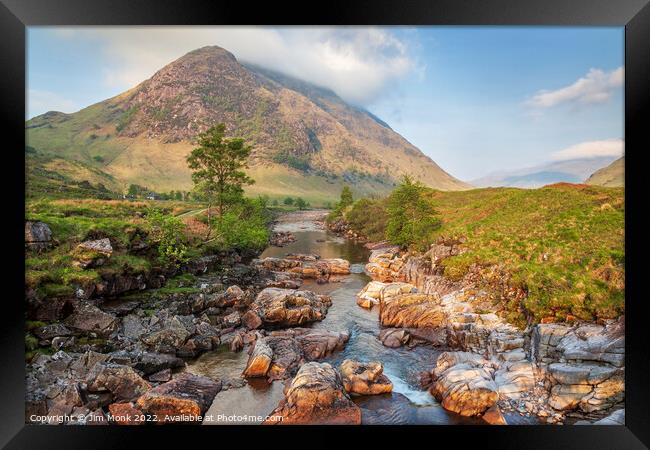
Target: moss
31, 342
33, 324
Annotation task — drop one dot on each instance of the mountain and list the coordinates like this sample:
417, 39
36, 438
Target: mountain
306, 140
570, 171
610, 176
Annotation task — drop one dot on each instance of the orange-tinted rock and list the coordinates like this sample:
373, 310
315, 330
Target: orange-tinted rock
126, 414
364, 378
316, 396
288, 307
493, 416
184, 398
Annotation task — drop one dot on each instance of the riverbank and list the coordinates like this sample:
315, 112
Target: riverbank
560, 373
226, 344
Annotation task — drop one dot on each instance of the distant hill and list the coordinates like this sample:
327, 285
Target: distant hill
307, 141
570, 171
610, 176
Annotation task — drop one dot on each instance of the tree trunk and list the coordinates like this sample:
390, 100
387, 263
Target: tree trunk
209, 221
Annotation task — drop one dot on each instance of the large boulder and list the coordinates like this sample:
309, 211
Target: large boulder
463, 383
185, 398
288, 308
279, 354
316, 396
411, 310
305, 266
364, 378
38, 236
122, 381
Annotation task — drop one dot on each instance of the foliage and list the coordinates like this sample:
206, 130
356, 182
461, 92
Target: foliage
368, 216
217, 165
288, 201
168, 233
562, 244
301, 203
411, 215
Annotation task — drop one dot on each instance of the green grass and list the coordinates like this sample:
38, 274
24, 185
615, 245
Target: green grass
562, 244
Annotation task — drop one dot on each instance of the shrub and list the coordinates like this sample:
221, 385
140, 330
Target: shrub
168, 233
411, 215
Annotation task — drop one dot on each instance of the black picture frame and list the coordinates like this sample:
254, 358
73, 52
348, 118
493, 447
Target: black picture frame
634, 15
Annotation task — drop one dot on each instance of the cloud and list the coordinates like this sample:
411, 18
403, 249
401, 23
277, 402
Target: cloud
591, 149
356, 63
596, 86
39, 102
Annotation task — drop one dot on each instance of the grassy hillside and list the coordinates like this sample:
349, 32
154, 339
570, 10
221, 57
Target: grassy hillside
611, 176
563, 244
300, 132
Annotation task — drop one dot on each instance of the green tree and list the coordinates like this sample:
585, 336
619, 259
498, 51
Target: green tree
411, 215
275, 202
301, 203
288, 201
346, 197
217, 168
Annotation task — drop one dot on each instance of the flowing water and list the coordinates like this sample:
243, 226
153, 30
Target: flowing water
408, 404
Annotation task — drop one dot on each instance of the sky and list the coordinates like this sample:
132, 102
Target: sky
477, 100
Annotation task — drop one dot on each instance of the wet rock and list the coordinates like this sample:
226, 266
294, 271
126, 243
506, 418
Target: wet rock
288, 308
151, 362
393, 337
38, 236
463, 383
316, 396
364, 378
125, 414
281, 353
281, 238
89, 318
122, 381
305, 266
237, 344
260, 359
493, 416
184, 398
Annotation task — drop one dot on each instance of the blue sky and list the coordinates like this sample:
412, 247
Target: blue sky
475, 99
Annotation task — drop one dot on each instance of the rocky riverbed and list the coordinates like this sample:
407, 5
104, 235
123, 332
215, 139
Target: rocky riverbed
318, 329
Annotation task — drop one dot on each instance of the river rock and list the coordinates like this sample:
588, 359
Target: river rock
38, 236
260, 359
305, 266
364, 378
493, 416
122, 381
411, 310
394, 337
125, 414
316, 396
288, 308
184, 398
89, 318
464, 384
52, 330
281, 353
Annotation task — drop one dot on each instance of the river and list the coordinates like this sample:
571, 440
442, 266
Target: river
407, 404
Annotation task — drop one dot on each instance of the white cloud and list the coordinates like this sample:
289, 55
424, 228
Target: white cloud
39, 102
357, 63
591, 149
596, 86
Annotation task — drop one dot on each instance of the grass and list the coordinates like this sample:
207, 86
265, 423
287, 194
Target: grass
563, 245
